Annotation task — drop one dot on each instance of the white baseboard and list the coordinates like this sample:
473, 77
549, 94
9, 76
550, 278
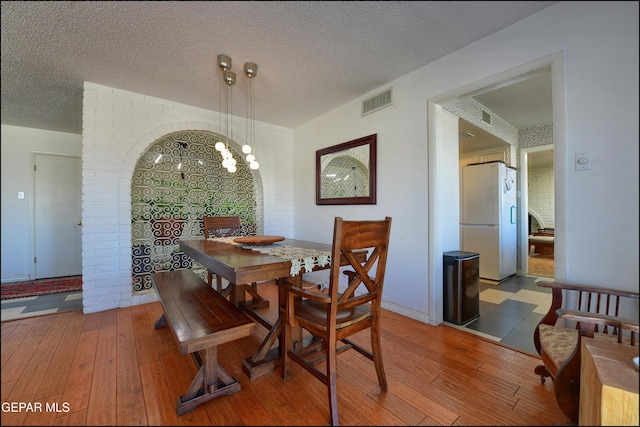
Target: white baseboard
412, 314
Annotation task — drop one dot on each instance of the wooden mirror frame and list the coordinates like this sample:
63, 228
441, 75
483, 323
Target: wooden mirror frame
325, 155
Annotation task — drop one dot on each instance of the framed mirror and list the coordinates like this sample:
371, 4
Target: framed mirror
346, 173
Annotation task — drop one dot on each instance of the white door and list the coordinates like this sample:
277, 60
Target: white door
58, 212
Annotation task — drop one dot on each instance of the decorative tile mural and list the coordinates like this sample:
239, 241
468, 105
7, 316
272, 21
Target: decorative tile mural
176, 182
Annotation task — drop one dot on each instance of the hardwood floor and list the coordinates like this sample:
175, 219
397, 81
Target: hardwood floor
113, 368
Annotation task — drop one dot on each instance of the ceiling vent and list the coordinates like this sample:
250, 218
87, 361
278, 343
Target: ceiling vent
465, 135
486, 117
377, 102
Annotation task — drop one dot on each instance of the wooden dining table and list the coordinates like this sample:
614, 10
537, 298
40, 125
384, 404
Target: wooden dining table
242, 266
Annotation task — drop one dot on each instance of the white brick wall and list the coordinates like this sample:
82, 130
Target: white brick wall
118, 126
541, 195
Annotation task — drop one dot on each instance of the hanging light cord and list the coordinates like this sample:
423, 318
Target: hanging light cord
253, 114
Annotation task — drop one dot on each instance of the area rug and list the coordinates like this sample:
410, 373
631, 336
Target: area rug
41, 287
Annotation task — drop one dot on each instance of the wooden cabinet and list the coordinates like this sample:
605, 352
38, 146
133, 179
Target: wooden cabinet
485, 156
608, 384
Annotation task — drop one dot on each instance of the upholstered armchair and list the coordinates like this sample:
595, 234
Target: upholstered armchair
579, 311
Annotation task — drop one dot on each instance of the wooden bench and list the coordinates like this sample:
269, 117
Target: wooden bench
200, 320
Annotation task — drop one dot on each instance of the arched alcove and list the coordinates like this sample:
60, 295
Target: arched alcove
535, 221
175, 182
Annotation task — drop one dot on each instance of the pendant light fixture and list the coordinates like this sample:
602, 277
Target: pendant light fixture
249, 148
228, 80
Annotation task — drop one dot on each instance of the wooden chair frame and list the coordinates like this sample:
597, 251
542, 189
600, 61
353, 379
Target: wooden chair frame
220, 226
227, 226
333, 316
594, 312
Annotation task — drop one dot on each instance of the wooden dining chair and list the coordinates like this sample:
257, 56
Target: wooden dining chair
332, 316
220, 226
227, 226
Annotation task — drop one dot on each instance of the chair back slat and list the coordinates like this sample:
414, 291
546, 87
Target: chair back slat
365, 285
221, 226
596, 300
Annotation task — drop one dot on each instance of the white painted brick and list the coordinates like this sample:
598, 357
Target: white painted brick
119, 126
126, 94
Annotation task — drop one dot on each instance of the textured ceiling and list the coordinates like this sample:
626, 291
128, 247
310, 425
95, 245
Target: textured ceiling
312, 56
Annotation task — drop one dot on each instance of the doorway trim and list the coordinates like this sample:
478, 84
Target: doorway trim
524, 201
437, 240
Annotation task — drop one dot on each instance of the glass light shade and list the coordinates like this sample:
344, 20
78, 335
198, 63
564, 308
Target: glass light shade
179, 165
246, 148
254, 165
220, 146
231, 168
225, 163
250, 158
232, 161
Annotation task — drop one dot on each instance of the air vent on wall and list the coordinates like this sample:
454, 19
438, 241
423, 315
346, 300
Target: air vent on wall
377, 102
465, 135
486, 117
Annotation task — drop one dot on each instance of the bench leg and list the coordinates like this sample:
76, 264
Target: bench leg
210, 382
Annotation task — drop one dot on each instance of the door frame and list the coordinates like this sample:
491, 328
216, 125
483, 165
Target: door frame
438, 171
524, 201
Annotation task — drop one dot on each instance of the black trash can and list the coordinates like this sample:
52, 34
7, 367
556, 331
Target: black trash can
461, 286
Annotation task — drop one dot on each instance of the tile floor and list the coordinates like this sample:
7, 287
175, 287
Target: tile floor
510, 311
19, 308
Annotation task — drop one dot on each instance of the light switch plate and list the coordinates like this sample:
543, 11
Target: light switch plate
583, 160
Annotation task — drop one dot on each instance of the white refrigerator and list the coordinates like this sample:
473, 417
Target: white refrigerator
488, 217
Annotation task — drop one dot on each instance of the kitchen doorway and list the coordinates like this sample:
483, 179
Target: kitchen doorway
444, 217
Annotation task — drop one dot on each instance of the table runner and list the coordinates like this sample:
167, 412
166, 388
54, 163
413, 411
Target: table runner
299, 257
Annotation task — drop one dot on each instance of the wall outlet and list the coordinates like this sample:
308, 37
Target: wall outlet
583, 160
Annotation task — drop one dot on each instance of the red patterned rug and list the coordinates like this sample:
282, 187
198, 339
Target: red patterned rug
41, 287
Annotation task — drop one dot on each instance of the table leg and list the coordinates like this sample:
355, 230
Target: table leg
238, 297
267, 357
